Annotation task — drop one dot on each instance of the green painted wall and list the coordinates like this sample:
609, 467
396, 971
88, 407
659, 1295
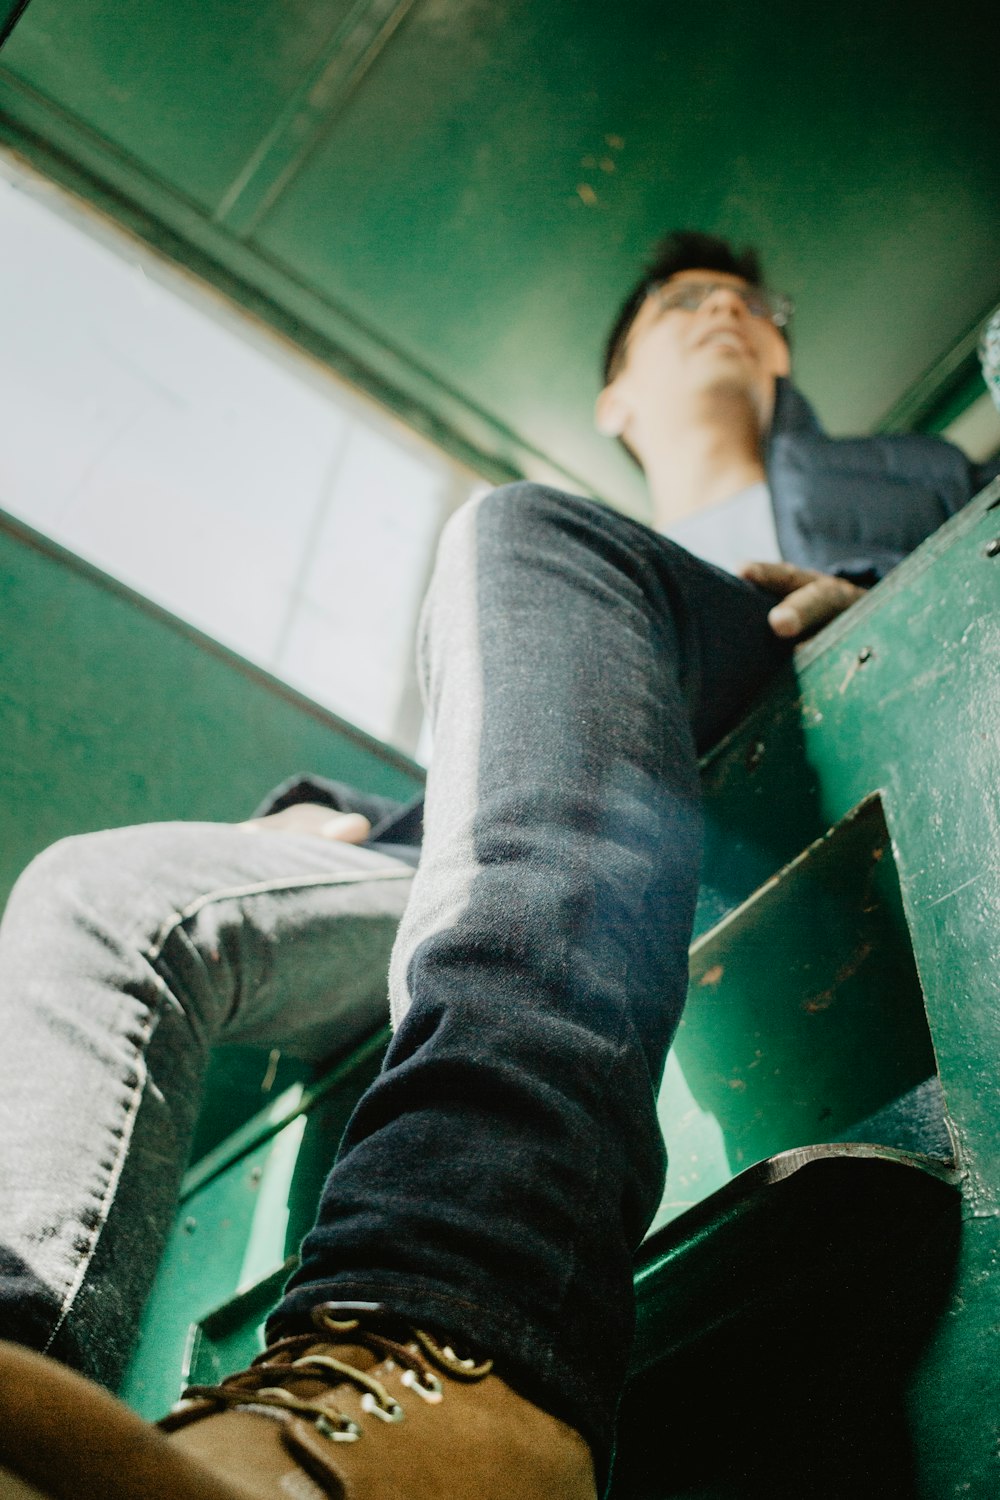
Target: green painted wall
113, 712
446, 198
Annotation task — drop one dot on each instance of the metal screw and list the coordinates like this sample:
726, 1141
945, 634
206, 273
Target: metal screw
993, 548
865, 654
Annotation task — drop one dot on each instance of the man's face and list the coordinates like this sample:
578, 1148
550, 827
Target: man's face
674, 354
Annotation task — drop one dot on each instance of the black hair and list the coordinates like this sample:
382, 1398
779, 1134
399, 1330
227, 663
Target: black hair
680, 250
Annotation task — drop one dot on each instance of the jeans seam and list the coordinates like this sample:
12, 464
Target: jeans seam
108, 1196
264, 888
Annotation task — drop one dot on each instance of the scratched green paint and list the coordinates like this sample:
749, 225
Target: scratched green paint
897, 699
804, 1018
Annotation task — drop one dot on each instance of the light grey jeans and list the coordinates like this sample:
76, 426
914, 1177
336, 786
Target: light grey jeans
125, 956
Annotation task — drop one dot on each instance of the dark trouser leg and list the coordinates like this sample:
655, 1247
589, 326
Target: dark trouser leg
498, 1177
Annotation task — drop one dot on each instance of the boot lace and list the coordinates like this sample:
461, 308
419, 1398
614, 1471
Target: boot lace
265, 1383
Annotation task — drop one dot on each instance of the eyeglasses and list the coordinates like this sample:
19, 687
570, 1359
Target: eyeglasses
689, 295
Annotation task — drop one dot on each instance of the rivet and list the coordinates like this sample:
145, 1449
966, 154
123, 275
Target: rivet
993, 548
865, 654
190, 1225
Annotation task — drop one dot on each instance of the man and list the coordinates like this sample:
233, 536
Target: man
461, 1319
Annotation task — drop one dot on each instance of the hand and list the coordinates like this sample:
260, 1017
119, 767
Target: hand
312, 818
809, 599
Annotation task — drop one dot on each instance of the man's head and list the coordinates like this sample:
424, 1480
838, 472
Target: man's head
699, 328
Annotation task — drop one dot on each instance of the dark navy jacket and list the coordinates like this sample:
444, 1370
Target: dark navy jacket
852, 506
858, 506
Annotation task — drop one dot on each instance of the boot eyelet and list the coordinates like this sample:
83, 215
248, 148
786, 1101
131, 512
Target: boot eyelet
391, 1413
429, 1389
346, 1432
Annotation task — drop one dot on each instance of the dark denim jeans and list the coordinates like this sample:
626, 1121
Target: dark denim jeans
498, 1177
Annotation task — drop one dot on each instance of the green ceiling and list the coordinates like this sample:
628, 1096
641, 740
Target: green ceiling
447, 198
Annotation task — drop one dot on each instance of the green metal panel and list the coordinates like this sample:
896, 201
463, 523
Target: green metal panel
114, 712
447, 199
183, 88
833, 1382
906, 680
245, 1209
804, 1018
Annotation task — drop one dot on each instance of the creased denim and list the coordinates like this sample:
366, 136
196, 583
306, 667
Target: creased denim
125, 956
497, 1178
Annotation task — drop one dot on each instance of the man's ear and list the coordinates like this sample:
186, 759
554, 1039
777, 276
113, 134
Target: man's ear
610, 414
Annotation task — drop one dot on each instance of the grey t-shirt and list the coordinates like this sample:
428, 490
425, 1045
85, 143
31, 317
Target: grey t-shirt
738, 530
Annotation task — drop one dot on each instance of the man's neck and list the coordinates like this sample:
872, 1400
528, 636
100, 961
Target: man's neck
699, 458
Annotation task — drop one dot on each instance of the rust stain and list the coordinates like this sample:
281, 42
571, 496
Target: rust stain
737, 1085
711, 977
586, 192
848, 970
607, 165
817, 1003
616, 142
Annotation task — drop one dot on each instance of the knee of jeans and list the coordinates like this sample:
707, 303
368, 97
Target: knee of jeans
74, 878
519, 512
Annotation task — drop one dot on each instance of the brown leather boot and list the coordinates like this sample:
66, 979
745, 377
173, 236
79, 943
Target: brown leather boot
366, 1409
362, 1409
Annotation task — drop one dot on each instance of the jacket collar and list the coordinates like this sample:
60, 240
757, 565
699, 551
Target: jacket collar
793, 416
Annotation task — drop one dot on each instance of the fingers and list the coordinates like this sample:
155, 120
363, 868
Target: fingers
313, 819
814, 604
810, 599
778, 577
345, 828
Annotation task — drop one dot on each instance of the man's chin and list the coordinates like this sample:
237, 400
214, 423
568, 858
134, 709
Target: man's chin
738, 389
